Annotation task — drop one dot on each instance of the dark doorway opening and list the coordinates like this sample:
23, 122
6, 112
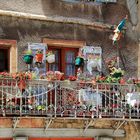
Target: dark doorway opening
4, 60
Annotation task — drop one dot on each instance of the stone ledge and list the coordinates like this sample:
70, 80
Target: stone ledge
59, 19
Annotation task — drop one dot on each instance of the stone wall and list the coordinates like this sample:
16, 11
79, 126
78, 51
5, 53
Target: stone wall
25, 30
54, 7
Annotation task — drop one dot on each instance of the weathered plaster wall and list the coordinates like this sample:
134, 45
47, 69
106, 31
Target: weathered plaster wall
24, 31
54, 7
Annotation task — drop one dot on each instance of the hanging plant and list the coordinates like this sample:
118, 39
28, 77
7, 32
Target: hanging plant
79, 61
28, 57
117, 72
38, 57
50, 57
22, 78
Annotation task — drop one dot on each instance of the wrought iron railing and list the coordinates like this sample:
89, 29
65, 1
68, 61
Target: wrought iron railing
69, 99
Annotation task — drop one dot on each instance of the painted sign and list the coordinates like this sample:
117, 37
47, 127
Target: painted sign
39, 54
93, 59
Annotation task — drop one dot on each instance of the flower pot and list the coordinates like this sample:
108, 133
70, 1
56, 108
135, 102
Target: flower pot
39, 57
28, 59
50, 58
79, 61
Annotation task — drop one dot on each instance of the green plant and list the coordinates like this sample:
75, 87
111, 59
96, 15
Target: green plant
116, 73
28, 52
49, 53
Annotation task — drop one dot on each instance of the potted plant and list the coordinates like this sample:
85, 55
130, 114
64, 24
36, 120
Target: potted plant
50, 57
22, 78
79, 61
117, 72
28, 57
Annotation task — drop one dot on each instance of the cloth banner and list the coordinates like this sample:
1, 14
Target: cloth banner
34, 47
93, 59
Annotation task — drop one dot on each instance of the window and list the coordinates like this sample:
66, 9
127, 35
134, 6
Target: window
65, 54
64, 60
4, 60
8, 56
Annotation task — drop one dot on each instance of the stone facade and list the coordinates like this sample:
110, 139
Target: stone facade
25, 30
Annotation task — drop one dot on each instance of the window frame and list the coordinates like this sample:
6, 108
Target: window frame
11, 45
62, 61
8, 57
60, 44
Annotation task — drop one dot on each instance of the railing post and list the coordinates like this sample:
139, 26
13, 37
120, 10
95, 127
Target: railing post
21, 104
97, 100
55, 99
3, 111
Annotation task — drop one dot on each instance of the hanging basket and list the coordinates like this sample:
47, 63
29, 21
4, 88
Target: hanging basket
79, 61
28, 59
50, 58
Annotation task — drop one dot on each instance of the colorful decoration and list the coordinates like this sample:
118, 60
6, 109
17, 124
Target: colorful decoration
50, 57
72, 78
93, 63
39, 53
22, 77
39, 57
118, 31
79, 61
4, 75
28, 57
54, 75
93, 59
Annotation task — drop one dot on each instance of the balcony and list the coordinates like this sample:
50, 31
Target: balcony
69, 99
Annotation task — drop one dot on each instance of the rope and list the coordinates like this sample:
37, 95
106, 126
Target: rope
27, 92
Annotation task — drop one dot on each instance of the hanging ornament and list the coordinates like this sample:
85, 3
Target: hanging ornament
121, 24
79, 61
38, 57
28, 57
118, 31
50, 57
